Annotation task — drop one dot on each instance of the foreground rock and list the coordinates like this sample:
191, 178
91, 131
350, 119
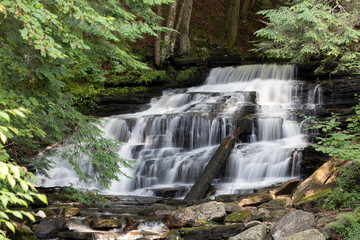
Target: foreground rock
294, 222
49, 227
212, 232
259, 232
210, 211
312, 234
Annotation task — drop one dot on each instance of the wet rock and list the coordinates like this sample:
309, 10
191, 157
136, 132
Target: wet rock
213, 232
294, 222
312, 234
49, 227
76, 235
131, 224
239, 216
210, 211
255, 200
259, 232
287, 187
105, 223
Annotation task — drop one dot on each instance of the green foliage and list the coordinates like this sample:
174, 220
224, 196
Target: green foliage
15, 186
343, 143
313, 30
186, 74
347, 194
137, 76
348, 227
56, 57
87, 197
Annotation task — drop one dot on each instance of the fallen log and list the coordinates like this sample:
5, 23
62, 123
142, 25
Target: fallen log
203, 183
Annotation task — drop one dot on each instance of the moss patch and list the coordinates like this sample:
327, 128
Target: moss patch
315, 196
238, 216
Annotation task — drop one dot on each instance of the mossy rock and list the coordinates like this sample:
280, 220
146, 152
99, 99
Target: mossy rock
71, 211
105, 223
238, 216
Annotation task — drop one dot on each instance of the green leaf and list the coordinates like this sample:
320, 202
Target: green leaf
5, 116
4, 215
29, 215
10, 226
11, 180
17, 214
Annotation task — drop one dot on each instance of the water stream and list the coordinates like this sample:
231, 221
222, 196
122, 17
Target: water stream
175, 137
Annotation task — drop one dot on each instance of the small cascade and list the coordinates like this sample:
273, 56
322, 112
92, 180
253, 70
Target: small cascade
173, 139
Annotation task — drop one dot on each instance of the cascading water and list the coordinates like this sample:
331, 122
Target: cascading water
174, 139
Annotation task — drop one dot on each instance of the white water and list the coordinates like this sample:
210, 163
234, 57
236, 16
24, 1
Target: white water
174, 139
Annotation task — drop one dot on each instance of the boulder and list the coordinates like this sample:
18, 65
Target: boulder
232, 207
287, 187
312, 234
255, 200
105, 223
258, 232
49, 227
210, 211
270, 215
211, 232
294, 222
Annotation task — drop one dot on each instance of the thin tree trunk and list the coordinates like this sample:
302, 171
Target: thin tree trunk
157, 53
177, 27
184, 42
166, 51
203, 183
245, 6
232, 21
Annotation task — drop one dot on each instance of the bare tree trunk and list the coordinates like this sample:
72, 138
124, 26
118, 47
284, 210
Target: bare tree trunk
232, 21
167, 51
184, 42
203, 183
177, 27
252, 5
245, 6
157, 53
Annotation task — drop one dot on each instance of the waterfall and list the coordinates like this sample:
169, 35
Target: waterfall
173, 139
